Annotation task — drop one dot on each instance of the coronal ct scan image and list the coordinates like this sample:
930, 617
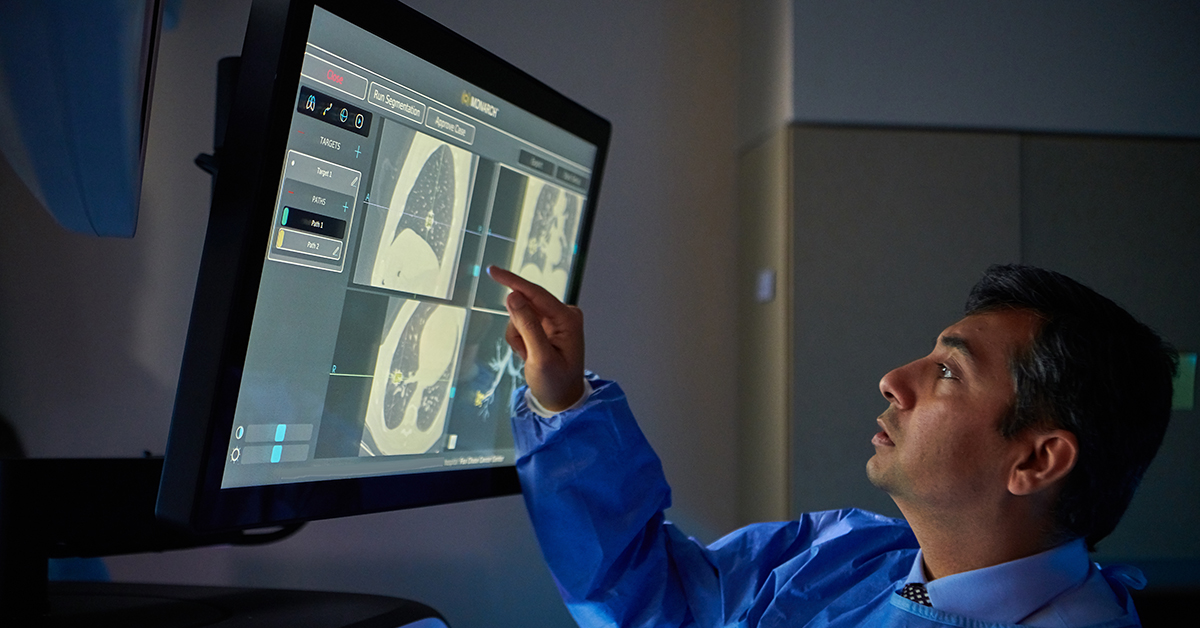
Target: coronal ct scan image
546, 236
411, 388
487, 377
413, 226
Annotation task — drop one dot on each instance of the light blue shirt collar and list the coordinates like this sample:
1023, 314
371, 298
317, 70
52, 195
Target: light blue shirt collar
1008, 592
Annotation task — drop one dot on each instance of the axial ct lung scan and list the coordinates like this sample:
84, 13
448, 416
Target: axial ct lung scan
412, 380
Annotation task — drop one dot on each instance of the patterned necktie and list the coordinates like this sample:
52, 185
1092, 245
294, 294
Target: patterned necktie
916, 592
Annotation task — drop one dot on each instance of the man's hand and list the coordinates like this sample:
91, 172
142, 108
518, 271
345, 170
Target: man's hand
548, 335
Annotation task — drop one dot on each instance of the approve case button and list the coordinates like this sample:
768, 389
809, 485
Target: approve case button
449, 125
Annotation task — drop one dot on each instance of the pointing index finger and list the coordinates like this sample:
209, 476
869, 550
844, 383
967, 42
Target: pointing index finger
541, 299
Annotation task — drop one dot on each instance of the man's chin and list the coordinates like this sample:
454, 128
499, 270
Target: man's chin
877, 474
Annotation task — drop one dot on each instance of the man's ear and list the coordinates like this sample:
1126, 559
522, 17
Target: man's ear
1049, 456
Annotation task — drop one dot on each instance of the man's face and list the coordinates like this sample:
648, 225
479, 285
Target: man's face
940, 446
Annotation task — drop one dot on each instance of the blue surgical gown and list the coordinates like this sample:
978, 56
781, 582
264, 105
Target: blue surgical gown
596, 492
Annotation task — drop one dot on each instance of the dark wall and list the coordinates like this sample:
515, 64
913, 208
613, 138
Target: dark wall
1105, 66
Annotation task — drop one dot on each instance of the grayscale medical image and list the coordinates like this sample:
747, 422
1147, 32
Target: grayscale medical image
489, 374
412, 382
416, 210
546, 237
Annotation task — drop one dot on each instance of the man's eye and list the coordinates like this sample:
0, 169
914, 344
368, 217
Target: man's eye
945, 371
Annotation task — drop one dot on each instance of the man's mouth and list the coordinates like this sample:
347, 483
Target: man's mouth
882, 439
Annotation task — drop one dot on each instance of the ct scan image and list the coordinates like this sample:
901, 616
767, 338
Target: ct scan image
546, 235
413, 226
487, 377
413, 379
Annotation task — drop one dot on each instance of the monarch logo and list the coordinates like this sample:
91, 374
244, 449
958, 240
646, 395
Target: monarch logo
479, 105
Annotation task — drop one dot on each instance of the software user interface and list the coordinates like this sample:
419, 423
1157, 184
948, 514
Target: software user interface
377, 344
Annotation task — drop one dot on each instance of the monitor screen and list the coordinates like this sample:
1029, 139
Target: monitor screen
354, 349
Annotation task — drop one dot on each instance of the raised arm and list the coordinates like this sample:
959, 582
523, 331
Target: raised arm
596, 492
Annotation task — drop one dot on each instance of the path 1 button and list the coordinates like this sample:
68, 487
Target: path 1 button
318, 224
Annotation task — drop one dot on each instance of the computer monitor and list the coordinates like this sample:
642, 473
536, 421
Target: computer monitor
346, 349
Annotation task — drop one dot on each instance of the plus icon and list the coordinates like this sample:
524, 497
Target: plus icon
345, 206
357, 152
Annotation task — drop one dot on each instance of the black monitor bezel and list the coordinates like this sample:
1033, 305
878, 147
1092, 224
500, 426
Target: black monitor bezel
232, 264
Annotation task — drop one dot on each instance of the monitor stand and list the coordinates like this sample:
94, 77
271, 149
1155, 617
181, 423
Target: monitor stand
58, 508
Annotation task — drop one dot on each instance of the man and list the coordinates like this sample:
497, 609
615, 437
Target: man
1011, 449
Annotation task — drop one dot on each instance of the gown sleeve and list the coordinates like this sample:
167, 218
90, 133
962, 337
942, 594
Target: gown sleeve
596, 492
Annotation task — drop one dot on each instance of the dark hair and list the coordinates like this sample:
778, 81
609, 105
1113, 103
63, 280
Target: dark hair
1095, 371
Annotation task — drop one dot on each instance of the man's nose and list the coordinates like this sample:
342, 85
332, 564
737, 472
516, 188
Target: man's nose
896, 386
